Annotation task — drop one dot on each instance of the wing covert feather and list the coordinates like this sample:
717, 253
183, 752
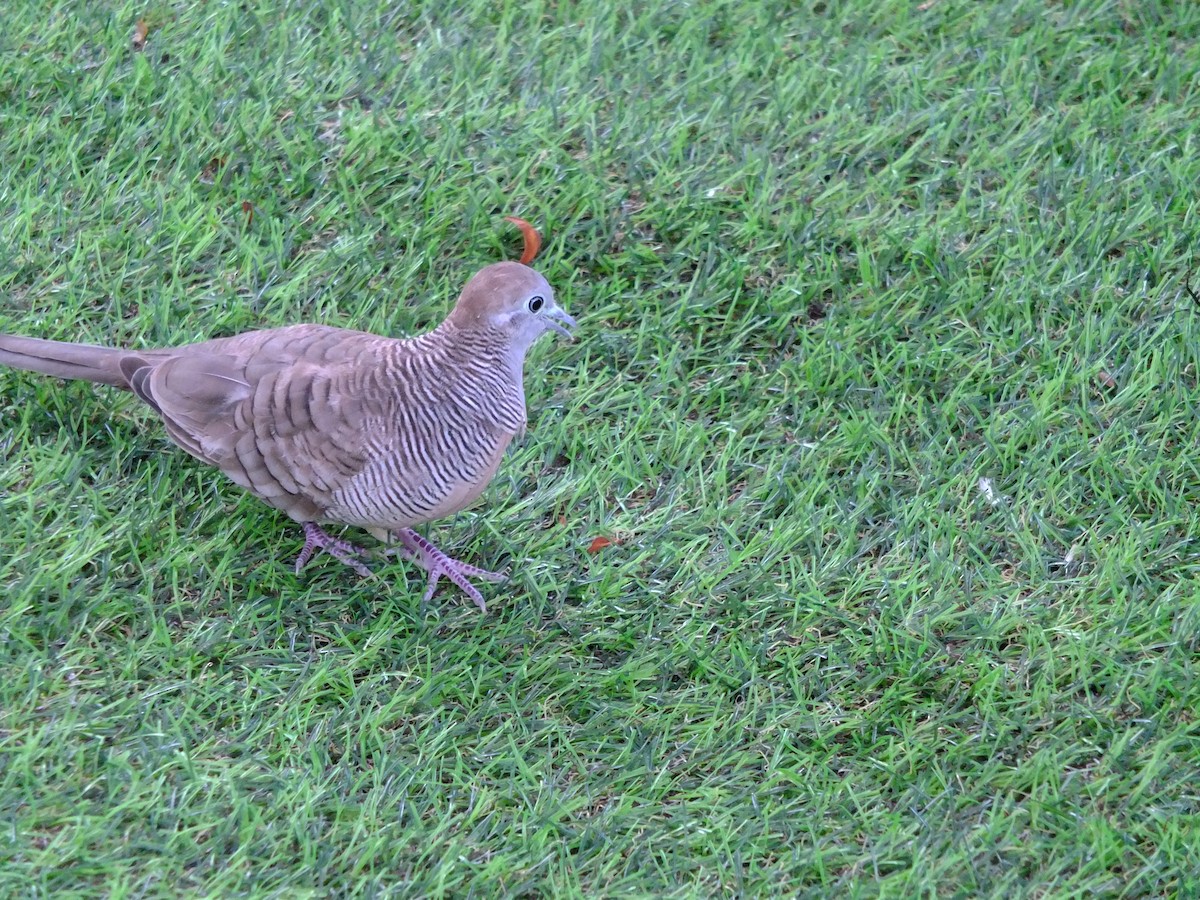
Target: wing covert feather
281, 415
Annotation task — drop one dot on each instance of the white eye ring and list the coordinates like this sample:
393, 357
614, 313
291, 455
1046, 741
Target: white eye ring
536, 303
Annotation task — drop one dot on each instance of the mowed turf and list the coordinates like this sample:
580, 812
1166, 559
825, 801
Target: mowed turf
886, 397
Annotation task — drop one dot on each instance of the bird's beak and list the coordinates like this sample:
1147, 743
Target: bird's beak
557, 314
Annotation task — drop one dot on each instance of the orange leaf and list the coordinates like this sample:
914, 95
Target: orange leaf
248, 209
139, 34
533, 240
598, 544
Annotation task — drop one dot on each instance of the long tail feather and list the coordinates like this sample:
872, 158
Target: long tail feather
64, 360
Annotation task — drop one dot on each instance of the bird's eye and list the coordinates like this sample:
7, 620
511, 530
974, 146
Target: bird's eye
536, 303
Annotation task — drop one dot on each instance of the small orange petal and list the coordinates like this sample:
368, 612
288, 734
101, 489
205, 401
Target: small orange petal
533, 240
598, 544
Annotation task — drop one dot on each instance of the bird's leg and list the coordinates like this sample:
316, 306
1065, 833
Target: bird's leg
316, 538
436, 563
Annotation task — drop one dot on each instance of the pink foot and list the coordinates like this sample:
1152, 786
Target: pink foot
315, 538
436, 563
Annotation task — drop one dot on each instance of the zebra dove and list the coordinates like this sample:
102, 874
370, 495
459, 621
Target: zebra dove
345, 427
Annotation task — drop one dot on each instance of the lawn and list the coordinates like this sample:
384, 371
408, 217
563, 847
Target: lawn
885, 396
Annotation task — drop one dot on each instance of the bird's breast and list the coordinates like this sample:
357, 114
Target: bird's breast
465, 491
428, 462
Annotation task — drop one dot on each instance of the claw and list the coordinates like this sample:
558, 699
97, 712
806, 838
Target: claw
436, 563
316, 538
412, 547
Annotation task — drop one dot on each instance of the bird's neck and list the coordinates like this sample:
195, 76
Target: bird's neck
481, 348
480, 363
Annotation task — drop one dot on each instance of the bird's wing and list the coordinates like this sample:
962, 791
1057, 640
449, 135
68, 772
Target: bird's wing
276, 411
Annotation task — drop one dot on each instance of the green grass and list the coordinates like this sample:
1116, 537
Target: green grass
887, 386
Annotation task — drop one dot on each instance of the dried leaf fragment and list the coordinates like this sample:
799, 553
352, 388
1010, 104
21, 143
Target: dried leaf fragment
140, 30
533, 240
598, 544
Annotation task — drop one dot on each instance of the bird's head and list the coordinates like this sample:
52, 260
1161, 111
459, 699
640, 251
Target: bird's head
511, 299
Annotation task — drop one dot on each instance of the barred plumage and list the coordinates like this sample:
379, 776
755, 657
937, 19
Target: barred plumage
337, 426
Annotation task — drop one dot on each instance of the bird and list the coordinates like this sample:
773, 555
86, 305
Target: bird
333, 426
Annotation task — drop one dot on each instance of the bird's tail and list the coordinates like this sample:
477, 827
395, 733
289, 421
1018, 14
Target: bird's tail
64, 360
